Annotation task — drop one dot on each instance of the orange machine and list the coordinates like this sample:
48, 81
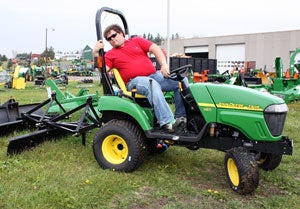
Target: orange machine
200, 77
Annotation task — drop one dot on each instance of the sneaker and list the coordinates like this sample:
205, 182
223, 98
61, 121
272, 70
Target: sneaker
173, 125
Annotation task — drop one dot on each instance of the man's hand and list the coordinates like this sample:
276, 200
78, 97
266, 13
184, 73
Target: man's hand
164, 69
99, 45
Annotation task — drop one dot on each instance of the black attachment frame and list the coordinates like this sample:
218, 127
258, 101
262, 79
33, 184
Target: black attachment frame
52, 127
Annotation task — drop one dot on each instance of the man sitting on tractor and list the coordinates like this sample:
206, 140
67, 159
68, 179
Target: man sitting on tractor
130, 57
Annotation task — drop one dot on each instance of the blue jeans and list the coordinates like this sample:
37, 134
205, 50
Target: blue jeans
162, 110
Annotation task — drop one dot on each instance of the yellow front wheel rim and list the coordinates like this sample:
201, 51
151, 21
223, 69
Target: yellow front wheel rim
262, 159
115, 149
233, 172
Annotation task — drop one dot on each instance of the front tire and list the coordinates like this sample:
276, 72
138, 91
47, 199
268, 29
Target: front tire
119, 145
241, 170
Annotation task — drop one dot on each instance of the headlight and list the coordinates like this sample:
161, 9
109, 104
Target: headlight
277, 108
275, 117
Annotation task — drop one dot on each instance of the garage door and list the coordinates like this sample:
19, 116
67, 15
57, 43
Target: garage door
196, 51
229, 56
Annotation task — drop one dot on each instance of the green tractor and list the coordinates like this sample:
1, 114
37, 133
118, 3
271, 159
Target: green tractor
287, 86
243, 123
284, 85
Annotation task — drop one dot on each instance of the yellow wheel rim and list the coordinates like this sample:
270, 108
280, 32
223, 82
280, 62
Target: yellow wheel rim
114, 149
262, 160
233, 172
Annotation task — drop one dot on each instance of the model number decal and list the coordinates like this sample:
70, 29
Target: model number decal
239, 106
207, 106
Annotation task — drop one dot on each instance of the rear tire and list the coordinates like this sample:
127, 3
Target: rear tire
241, 170
119, 145
269, 161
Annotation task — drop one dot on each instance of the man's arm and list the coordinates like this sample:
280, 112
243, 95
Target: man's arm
161, 59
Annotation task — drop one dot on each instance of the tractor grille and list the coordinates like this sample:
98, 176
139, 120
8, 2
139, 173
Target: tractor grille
275, 122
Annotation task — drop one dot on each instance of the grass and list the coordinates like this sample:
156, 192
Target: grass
64, 174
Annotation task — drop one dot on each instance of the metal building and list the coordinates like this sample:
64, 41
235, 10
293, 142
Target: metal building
231, 50
87, 53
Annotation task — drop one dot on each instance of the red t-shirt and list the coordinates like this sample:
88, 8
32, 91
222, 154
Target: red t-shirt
131, 60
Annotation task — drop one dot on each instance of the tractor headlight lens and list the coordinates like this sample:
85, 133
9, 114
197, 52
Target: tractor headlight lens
278, 108
275, 117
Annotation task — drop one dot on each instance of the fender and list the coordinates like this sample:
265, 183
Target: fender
127, 106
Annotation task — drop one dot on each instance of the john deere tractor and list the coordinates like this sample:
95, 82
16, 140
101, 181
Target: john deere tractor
243, 123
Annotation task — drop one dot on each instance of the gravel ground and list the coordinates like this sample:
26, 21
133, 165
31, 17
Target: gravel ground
80, 78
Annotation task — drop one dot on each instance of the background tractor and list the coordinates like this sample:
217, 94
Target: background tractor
285, 85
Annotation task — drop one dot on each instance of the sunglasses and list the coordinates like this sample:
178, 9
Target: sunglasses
112, 36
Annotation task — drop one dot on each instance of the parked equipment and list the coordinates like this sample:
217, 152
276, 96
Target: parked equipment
284, 85
67, 99
245, 124
11, 116
287, 86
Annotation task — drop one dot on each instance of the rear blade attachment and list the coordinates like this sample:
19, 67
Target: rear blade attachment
52, 127
27, 141
10, 116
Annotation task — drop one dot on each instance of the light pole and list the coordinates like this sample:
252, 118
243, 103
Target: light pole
46, 50
168, 33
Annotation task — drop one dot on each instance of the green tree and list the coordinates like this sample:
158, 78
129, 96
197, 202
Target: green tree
47, 55
9, 64
3, 58
158, 39
23, 56
150, 37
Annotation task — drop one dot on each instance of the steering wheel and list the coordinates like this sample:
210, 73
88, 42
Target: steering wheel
180, 73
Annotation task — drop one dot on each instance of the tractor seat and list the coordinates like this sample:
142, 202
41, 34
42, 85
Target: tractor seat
122, 86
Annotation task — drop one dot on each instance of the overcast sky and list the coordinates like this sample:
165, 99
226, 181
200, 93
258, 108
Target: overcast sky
24, 22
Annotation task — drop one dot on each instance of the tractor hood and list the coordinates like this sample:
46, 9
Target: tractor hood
258, 115
233, 97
